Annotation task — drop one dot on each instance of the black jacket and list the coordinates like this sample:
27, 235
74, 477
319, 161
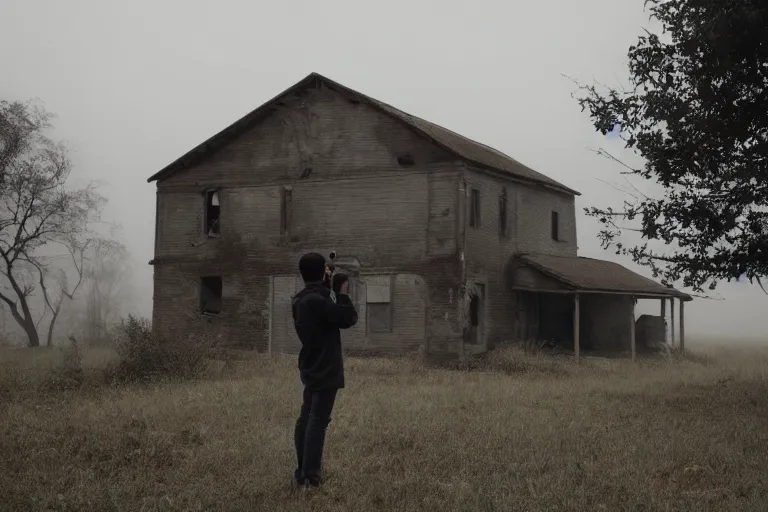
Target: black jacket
317, 319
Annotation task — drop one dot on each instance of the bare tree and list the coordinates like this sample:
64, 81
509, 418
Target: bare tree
39, 213
107, 274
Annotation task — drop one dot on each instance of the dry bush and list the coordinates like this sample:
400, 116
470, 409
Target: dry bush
144, 355
70, 374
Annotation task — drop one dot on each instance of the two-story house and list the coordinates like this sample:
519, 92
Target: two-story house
453, 246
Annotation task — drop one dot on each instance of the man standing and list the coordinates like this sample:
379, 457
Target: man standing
318, 314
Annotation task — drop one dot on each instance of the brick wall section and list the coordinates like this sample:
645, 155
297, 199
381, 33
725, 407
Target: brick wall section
528, 230
357, 200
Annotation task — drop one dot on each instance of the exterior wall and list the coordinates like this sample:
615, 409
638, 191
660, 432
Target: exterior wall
605, 322
529, 228
357, 200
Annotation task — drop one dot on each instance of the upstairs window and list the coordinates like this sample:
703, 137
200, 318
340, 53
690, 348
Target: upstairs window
286, 210
503, 233
474, 208
212, 211
210, 295
555, 227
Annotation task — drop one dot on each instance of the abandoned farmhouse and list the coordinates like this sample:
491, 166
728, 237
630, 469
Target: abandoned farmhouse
452, 246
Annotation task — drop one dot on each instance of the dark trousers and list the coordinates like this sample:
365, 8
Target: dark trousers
309, 435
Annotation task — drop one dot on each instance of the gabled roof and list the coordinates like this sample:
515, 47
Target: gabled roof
588, 274
464, 148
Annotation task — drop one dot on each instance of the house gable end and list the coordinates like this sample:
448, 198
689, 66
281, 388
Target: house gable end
310, 133
469, 151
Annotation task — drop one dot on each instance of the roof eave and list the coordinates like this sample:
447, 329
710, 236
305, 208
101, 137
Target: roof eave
672, 293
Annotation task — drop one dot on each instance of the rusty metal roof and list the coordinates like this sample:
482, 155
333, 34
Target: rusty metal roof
588, 274
466, 149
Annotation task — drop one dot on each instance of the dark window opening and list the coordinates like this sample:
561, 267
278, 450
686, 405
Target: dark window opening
210, 295
286, 211
305, 173
555, 227
474, 311
474, 208
212, 211
405, 160
503, 213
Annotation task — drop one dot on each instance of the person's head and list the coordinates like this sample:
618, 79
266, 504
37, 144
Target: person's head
312, 267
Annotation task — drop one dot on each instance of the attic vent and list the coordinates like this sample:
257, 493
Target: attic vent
405, 160
305, 173
354, 102
281, 104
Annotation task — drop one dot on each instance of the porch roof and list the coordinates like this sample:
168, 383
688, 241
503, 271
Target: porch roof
593, 276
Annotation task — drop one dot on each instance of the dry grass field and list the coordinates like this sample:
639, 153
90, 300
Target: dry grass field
516, 432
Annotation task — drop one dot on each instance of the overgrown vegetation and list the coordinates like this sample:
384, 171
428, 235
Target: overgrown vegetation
145, 356
520, 432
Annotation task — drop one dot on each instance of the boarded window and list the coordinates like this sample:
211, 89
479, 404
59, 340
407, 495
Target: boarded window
474, 208
286, 210
210, 295
379, 303
212, 211
555, 226
503, 214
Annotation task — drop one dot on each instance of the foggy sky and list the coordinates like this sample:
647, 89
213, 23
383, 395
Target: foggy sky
136, 84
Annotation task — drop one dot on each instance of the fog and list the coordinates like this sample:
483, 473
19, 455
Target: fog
136, 84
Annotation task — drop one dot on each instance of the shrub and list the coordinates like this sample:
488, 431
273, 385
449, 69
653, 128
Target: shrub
70, 374
144, 355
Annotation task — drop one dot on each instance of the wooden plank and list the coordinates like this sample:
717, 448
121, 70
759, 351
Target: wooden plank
682, 327
593, 292
632, 330
672, 319
576, 321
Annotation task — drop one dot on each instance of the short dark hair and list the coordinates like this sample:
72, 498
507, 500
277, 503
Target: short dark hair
312, 267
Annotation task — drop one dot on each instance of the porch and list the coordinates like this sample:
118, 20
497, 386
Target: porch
589, 304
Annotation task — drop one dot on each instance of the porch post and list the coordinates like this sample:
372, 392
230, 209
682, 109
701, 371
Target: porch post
576, 319
672, 319
664, 316
632, 328
682, 326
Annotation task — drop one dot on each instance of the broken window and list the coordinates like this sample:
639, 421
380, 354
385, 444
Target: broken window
379, 303
212, 211
503, 213
474, 208
210, 295
286, 210
555, 226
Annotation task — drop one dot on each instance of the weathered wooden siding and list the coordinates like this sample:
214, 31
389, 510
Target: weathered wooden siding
357, 200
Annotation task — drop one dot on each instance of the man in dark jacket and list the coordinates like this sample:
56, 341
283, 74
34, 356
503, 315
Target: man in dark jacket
318, 314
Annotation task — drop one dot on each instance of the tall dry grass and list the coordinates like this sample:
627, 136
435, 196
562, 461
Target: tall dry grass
514, 432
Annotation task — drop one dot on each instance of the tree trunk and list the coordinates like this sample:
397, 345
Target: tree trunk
52, 325
33, 339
